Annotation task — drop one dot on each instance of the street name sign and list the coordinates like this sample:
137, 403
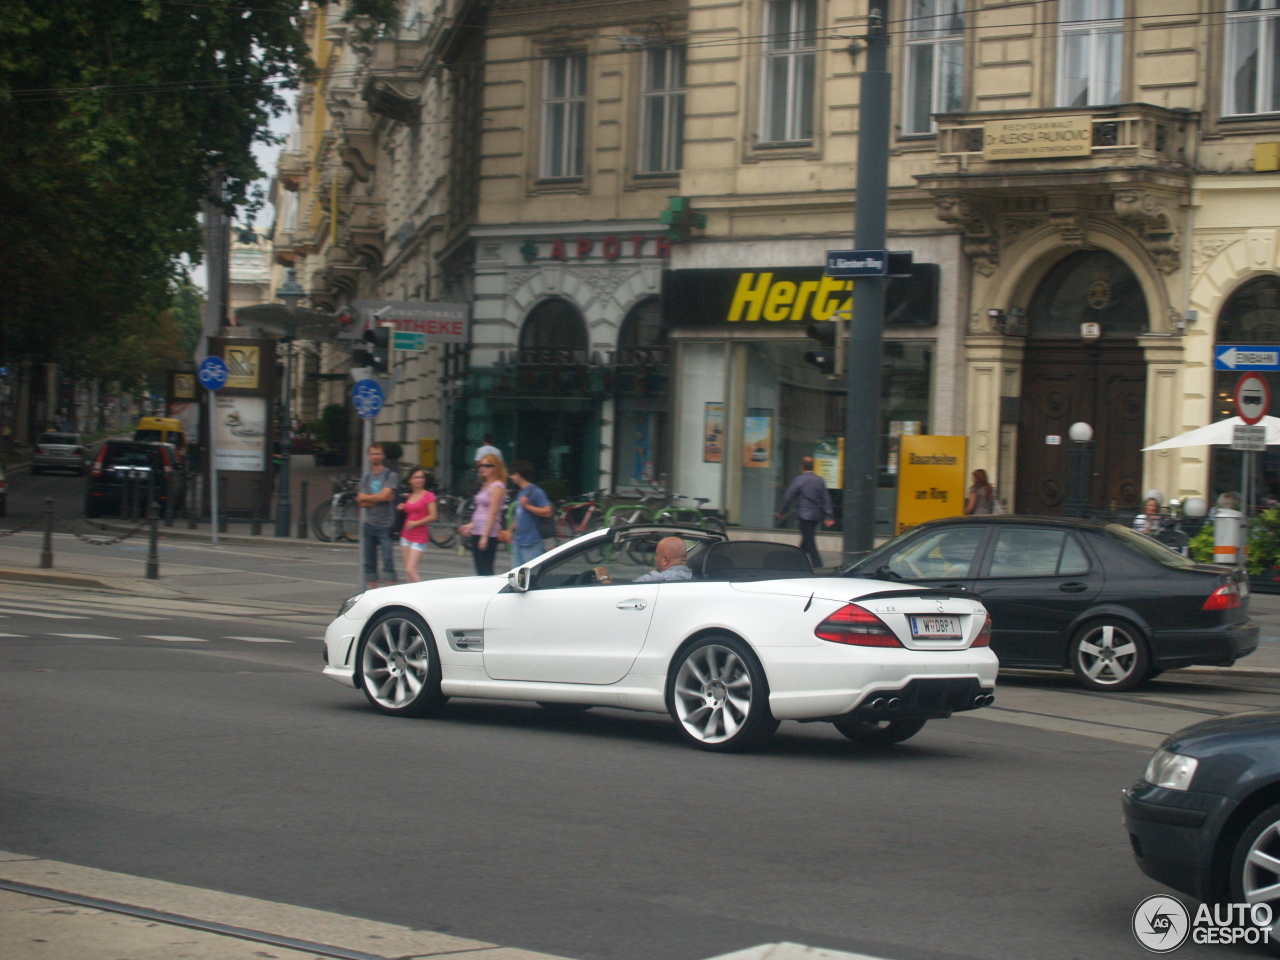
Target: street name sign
408, 340
1250, 438
367, 398
857, 263
1253, 398
213, 373
1235, 356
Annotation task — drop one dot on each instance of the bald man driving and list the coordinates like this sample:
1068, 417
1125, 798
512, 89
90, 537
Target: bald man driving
671, 561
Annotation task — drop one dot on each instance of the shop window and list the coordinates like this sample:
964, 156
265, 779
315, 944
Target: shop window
554, 333
1251, 83
564, 108
642, 408
790, 63
935, 63
1090, 52
1088, 286
662, 110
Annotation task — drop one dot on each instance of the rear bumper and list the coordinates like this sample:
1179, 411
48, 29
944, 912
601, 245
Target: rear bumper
924, 698
1173, 835
1217, 646
51, 462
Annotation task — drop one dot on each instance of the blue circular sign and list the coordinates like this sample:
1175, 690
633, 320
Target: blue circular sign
367, 397
213, 373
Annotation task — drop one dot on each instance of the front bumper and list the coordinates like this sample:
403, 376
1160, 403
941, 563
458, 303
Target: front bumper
1173, 834
340, 649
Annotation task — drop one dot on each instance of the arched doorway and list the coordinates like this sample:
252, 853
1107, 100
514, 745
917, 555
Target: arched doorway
1065, 380
641, 398
557, 327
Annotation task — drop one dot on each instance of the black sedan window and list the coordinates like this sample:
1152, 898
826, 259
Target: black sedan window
1032, 552
939, 555
1145, 545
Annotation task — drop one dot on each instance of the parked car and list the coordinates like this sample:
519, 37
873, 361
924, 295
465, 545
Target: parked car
1113, 605
126, 471
60, 451
1205, 817
751, 639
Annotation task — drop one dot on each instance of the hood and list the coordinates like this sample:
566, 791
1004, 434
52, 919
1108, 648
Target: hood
1260, 727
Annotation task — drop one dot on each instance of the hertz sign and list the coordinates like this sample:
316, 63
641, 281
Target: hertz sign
786, 295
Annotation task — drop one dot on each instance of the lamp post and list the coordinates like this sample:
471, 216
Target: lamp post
290, 293
1080, 457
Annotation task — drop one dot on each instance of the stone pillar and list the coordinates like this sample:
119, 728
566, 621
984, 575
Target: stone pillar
994, 365
1165, 363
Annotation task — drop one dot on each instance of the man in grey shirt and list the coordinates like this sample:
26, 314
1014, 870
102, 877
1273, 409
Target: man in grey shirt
377, 496
813, 503
670, 559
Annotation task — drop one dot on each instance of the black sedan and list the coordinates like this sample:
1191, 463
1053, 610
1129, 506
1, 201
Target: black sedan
1205, 817
1113, 605
128, 473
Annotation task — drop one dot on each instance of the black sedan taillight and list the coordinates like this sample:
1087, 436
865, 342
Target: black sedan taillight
1226, 597
853, 625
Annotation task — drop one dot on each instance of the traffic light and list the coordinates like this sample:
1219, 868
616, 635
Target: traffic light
825, 358
379, 349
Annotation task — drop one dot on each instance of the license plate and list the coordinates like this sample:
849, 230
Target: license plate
936, 628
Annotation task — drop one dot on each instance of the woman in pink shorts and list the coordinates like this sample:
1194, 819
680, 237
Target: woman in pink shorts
419, 510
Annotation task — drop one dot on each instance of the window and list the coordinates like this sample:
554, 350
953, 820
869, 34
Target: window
662, 110
790, 54
564, 108
1028, 552
554, 332
1251, 84
941, 555
1090, 52
935, 62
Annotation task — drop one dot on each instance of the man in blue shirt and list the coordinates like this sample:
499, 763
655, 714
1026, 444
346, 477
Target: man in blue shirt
813, 503
532, 505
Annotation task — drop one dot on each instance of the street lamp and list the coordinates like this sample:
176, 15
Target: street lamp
1080, 457
290, 293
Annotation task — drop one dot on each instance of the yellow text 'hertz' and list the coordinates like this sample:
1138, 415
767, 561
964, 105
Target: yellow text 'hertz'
785, 300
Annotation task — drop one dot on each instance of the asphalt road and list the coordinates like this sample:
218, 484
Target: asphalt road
213, 757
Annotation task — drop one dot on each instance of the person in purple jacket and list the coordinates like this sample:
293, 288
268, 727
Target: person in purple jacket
813, 503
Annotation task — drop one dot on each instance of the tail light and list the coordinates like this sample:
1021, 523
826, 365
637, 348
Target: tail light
984, 635
164, 460
97, 464
861, 628
1226, 597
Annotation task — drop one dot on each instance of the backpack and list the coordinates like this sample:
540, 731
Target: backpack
398, 515
546, 525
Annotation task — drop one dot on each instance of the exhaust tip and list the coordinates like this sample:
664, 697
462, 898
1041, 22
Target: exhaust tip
877, 704
893, 704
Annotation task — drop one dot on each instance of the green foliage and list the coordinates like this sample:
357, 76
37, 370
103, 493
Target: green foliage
1264, 541
1201, 545
185, 309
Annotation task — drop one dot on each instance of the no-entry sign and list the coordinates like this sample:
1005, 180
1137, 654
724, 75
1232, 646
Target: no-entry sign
1253, 398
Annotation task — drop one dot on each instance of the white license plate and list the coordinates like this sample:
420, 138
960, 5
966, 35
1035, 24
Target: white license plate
936, 628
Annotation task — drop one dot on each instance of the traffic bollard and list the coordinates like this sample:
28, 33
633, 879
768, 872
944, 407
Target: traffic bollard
255, 527
153, 550
302, 512
46, 551
221, 519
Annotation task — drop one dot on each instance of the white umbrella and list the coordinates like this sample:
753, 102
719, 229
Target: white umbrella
1218, 433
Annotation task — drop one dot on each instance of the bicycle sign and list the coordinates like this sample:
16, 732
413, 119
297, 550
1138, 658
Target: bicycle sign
367, 397
213, 373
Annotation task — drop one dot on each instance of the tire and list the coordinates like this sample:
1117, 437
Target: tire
320, 524
398, 667
1255, 864
881, 733
1152, 674
564, 709
346, 520
1097, 659
642, 552
442, 534
718, 695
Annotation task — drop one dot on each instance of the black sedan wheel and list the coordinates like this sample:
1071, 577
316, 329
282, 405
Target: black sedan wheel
1255, 865
881, 733
398, 667
1109, 655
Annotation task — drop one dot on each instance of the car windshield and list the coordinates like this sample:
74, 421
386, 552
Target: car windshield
65, 439
148, 434
1145, 545
129, 457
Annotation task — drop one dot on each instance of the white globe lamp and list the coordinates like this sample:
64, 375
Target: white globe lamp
1080, 432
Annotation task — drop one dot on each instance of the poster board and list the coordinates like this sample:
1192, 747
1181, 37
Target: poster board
828, 461
931, 475
757, 438
240, 433
713, 433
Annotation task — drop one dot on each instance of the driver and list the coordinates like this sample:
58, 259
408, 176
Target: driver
671, 561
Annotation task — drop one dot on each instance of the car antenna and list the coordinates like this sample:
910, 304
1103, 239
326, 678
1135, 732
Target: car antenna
808, 603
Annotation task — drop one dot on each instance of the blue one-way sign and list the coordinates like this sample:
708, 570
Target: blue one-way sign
1236, 356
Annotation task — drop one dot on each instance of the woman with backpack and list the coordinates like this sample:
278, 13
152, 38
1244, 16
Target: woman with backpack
419, 510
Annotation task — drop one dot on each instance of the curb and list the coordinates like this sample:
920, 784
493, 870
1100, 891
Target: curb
237, 539
56, 579
1272, 672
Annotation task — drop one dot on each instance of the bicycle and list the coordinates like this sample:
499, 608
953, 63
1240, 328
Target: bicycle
443, 531
631, 511
580, 515
338, 518
691, 516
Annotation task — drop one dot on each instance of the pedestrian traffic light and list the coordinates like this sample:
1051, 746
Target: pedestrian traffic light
379, 349
825, 358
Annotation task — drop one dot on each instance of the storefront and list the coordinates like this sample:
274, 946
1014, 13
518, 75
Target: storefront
748, 403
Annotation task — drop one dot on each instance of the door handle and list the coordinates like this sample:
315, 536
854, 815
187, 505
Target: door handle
631, 604
1073, 587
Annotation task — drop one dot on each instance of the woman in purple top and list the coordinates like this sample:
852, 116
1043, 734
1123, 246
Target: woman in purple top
487, 519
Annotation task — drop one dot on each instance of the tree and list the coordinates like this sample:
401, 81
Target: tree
114, 113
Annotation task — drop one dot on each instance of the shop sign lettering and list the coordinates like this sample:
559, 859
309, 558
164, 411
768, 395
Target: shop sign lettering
588, 248
1038, 137
930, 479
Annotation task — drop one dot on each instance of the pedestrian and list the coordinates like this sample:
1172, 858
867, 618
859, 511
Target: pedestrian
419, 511
533, 510
377, 495
487, 449
813, 503
486, 521
1149, 520
981, 501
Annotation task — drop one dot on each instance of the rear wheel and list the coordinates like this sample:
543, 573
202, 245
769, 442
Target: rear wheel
718, 695
321, 522
1109, 655
398, 667
882, 732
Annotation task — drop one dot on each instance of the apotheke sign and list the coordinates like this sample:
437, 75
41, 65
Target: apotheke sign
1037, 137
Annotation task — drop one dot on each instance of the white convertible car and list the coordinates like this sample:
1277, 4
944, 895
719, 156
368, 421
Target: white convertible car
753, 639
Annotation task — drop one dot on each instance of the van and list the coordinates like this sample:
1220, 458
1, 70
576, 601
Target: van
162, 430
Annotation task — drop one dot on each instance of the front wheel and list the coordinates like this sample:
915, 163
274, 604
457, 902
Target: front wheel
881, 732
1109, 655
398, 667
1255, 866
718, 695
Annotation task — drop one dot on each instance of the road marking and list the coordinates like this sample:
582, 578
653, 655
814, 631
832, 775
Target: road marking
83, 636
260, 639
17, 636
97, 611
40, 613
177, 639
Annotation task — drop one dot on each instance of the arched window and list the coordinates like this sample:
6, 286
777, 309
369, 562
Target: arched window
1091, 286
554, 332
642, 338
1252, 314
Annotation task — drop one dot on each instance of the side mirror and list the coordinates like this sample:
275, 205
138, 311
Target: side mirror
518, 579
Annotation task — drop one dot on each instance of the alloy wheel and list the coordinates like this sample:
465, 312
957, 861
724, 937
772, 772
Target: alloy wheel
395, 663
1107, 655
712, 694
1260, 878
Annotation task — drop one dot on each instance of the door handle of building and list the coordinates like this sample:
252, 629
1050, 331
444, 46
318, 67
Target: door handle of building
631, 605
1073, 587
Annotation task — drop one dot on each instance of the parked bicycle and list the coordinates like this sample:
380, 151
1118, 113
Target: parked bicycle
694, 516
632, 511
443, 531
338, 518
577, 516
